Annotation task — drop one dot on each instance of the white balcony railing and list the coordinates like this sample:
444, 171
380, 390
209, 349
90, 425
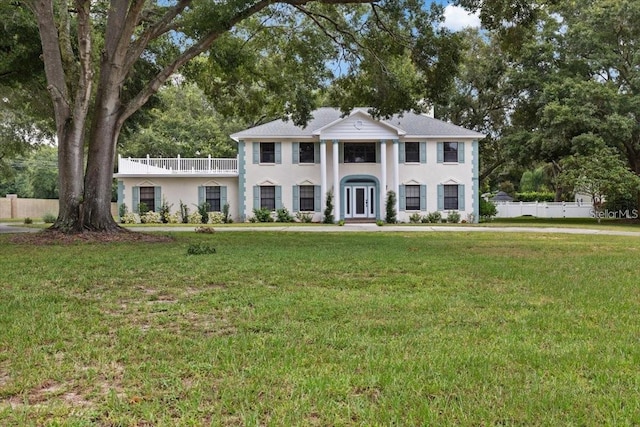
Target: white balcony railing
164, 166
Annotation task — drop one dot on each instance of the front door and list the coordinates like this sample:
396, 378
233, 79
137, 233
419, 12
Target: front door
360, 201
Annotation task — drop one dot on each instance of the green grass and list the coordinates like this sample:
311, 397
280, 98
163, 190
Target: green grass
322, 329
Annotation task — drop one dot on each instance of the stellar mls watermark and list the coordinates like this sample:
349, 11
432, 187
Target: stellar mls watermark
619, 214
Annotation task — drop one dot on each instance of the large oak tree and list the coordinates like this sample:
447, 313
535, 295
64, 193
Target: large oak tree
95, 52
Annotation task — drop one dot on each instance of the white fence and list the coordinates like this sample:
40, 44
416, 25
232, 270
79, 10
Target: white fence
178, 165
544, 209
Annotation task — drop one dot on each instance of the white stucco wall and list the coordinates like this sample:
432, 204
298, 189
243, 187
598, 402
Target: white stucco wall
286, 174
183, 189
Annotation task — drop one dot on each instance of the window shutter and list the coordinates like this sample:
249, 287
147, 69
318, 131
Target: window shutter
402, 198
256, 197
223, 196
295, 153
378, 148
202, 191
120, 193
440, 197
423, 197
460, 152
316, 198
296, 198
423, 152
460, 197
278, 197
316, 152
401, 153
256, 153
135, 199
157, 198
340, 152
278, 148
440, 152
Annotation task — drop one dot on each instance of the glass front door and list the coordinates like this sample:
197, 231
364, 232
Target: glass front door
360, 201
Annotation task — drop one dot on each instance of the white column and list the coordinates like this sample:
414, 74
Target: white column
383, 178
396, 171
323, 174
336, 180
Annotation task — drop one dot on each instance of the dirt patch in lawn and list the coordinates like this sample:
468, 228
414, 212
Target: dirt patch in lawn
50, 237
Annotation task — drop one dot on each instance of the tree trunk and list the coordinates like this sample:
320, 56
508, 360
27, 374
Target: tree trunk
70, 177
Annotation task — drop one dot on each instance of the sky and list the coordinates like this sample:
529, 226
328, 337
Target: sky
456, 18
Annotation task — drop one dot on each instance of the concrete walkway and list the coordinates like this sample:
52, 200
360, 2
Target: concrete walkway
351, 228
347, 228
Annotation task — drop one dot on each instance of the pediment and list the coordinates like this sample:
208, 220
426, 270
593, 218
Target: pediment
211, 183
411, 182
359, 125
146, 183
451, 181
306, 182
268, 182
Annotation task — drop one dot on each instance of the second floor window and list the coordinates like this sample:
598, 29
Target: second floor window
412, 152
450, 152
307, 152
360, 152
267, 152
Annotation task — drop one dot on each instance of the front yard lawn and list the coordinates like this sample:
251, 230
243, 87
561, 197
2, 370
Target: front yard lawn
322, 329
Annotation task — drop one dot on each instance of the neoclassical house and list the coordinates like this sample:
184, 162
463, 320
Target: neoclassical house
430, 164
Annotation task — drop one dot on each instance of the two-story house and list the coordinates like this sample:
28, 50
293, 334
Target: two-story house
431, 165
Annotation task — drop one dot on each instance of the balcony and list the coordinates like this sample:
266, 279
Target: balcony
176, 166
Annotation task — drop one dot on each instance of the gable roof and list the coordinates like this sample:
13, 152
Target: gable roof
408, 125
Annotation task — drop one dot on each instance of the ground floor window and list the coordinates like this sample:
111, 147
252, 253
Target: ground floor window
412, 197
450, 197
268, 197
307, 198
147, 199
212, 197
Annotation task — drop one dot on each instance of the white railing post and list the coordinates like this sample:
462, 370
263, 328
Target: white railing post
179, 165
147, 163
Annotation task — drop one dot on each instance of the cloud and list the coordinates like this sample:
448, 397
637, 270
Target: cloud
456, 18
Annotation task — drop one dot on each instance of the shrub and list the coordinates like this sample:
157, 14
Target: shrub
262, 215
195, 218
283, 215
487, 209
165, 210
28, 220
433, 217
49, 218
379, 223
415, 218
122, 211
200, 249
184, 213
341, 222
131, 218
203, 210
142, 208
328, 210
174, 218
391, 207
305, 217
453, 217
151, 218
205, 230
226, 217
535, 196
216, 218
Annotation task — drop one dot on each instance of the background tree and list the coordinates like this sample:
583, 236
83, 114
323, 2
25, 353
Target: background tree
601, 175
182, 122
